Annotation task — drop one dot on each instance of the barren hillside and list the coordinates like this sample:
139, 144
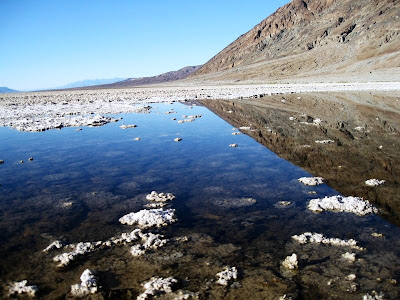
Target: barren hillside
339, 40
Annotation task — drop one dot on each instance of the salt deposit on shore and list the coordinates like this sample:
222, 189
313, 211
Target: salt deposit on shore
156, 286
374, 182
338, 203
311, 180
290, 262
37, 111
149, 218
318, 238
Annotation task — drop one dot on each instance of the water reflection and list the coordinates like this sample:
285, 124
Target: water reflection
364, 128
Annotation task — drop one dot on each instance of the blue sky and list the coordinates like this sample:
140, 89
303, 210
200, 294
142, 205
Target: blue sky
50, 43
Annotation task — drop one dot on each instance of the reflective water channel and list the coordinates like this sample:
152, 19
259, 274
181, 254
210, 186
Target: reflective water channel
234, 206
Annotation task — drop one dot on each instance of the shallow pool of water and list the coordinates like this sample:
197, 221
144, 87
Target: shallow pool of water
80, 183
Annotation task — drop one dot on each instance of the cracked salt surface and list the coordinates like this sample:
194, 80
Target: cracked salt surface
338, 203
318, 238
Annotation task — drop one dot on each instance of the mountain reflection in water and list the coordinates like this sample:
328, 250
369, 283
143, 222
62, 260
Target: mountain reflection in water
364, 128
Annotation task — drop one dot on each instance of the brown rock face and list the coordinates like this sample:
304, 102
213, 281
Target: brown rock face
313, 38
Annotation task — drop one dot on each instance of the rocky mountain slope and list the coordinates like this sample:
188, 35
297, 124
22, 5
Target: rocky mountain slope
4, 89
308, 40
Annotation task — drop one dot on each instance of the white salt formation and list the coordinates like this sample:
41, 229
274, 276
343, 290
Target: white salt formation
318, 238
374, 296
156, 286
311, 180
149, 218
290, 262
87, 286
283, 204
350, 257
160, 197
338, 203
20, 287
150, 242
325, 142
374, 182
53, 245
227, 275
233, 145
127, 126
178, 139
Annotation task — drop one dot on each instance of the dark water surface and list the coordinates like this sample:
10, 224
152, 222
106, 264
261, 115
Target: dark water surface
81, 182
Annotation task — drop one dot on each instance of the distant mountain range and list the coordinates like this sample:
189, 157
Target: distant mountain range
4, 89
312, 41
89, 82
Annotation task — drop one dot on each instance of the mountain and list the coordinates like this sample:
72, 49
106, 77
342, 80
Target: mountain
315, 40
4, 89
165, 77
89, 82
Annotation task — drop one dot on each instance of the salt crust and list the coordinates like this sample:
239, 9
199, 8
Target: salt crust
290, 262
227, 275
325, 142
150, 242
311, 180
127, 126
350, 257
283, 204
87, 286
233, 145
338, 203
374, 296
20, 287
160, 197
156, 286
318, 238
149, 218
374, 182
53, 245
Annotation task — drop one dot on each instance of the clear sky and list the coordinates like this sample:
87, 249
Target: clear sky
49, 43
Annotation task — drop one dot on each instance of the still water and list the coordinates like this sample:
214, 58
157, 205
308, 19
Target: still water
81, 182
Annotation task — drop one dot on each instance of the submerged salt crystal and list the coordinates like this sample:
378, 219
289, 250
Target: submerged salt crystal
20, 287
374, 296
53, 245
87, 286
149, 218
311, 180
227, 275
233, 145
156, 286
339, 203
350, 257
374, 182
290, 262
318, 238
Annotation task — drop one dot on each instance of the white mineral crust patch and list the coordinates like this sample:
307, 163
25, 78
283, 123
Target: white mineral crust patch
150, 241
54, 245
20, 287
227, 275
374, 296
156, 286
338, 203
350, 257
88, 285
160, 197
325, 142
318, 238
311, 180
149, 218
290, 262
374, 182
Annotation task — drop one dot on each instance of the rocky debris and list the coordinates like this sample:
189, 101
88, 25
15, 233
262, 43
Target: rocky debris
283, 204
127, 126
178, 139
88, 285
374, 296
338, 203
290, 262
311, 180
350, 257
374, 182
149, 218
54, 245
319, 238
157, 286
325, 142
21, 287
233, 145
227, 275
160, 197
